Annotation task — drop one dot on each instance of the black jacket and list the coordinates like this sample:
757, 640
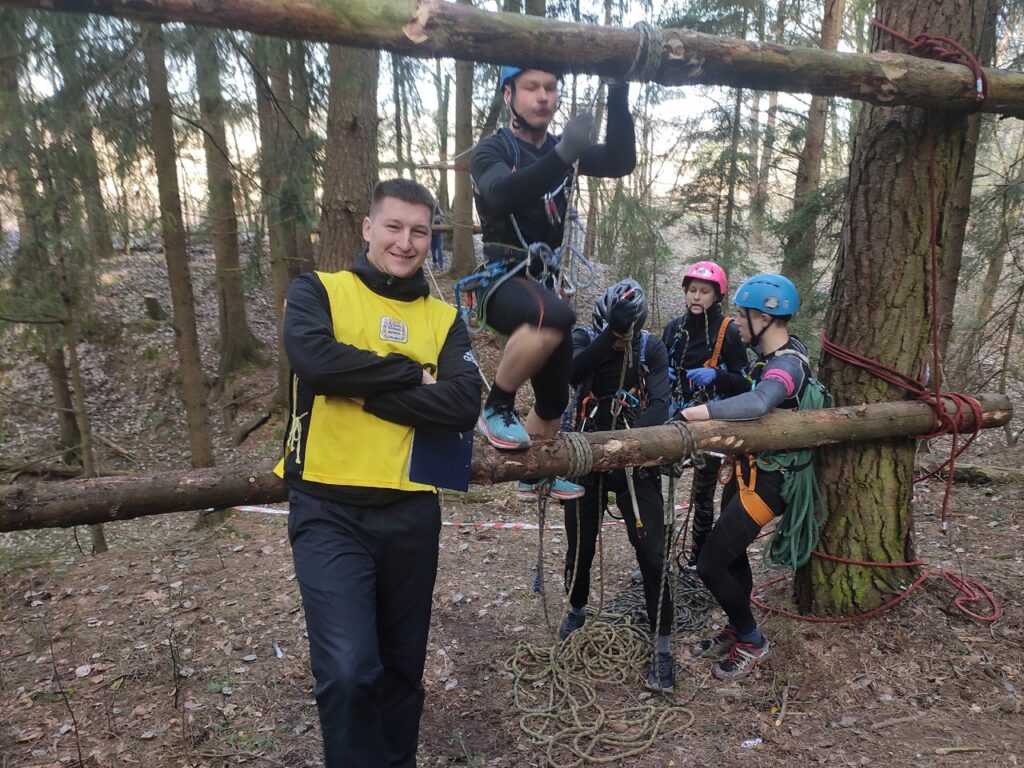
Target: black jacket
598, 367
690, 340
390, 385
502, 188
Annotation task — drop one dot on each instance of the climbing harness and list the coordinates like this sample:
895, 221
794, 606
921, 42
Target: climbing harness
798, 530
584, 405
563, 269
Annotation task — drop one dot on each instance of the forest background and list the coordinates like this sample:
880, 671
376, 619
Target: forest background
160, 169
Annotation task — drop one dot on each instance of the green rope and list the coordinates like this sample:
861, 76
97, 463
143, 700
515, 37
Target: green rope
797, 532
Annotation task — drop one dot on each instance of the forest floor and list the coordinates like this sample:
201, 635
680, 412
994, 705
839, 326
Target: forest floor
184, 647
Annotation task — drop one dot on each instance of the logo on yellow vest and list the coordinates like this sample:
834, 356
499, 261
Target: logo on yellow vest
394, 330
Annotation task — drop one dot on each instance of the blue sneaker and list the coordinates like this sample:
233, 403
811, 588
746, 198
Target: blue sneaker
502, 428
559, 488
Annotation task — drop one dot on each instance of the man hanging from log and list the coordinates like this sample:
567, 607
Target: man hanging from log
707, 360
522, 177
374, 360
621, 375
753, 495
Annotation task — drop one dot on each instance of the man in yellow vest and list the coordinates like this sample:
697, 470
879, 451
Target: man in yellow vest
376, 362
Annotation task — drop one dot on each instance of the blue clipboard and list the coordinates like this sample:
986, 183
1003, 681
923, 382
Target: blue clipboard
441, 459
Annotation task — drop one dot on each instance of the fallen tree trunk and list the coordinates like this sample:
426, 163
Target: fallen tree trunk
433, 28
976, 474
77, 502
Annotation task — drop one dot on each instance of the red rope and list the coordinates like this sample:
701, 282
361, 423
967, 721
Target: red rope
946, 49
969, 591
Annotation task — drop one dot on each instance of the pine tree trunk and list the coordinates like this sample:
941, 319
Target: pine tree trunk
237, 343
443, 87
267, 55
798, 250
75, 109
70, 437
463, 255
759, 200
303, 171
730, 247
193, 382
396, 97
880, 307
350, 172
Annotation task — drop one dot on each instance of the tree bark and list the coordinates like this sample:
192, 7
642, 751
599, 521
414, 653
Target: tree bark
47, 505
237, 342
431, 28
75, 110
881, 307
70, 437
351, 171
729, 248
798, 250
759, 201
304, 174
268, 56
463, 253
193, 383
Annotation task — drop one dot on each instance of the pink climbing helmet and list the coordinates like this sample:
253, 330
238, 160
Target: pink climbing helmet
709, 272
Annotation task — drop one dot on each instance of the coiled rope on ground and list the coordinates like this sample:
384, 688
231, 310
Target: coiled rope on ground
555, 688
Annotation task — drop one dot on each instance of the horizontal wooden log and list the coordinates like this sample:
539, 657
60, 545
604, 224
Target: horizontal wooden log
78, 502
434, 28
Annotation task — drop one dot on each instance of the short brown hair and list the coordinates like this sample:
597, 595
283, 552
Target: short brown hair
403, 189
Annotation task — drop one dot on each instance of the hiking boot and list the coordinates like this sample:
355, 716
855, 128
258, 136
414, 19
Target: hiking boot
661, 676
502, 428
742, 659
717, 647
558, 488
570, 624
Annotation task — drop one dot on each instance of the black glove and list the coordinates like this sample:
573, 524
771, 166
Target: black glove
577, 136
621, 316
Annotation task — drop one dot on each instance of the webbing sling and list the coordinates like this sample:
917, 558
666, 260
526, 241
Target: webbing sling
712, 362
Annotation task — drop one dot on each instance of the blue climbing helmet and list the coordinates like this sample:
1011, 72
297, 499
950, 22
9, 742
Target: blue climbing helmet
772, 294
507, 73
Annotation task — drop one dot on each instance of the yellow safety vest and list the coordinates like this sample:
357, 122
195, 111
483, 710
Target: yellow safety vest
337, 442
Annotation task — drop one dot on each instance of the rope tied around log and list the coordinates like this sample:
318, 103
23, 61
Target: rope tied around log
581, 455
647, 60
945, 49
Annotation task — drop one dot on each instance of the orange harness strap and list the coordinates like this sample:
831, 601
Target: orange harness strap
712, 362
751, 502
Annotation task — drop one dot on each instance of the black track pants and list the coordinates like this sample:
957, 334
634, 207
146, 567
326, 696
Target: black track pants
366, 575
649, 547
723, 565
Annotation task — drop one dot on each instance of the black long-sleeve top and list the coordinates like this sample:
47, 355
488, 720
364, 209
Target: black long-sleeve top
501, 186
598, 366
690, 340
392, 385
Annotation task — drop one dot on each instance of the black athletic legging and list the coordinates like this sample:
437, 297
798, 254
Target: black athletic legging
723, 565
520, 301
